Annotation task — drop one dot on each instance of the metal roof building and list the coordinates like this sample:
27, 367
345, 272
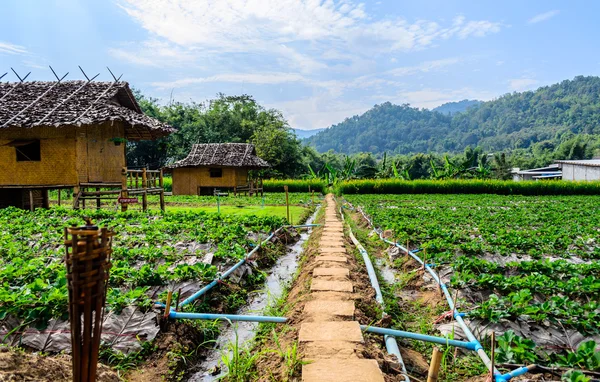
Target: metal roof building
588, 169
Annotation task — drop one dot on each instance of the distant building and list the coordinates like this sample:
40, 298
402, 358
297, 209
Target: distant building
580, 169
551, 172
217, 166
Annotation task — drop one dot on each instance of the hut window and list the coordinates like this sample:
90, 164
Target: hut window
216, 172
27, 151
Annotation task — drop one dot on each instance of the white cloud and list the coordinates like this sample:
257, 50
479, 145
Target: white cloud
424, 67
430, 98
154, 53
9, 48
225, 26
319, 111
250, 78
543, 16
520, 84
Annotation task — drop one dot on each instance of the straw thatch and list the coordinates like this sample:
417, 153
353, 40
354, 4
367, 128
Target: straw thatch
95, 103
224, 155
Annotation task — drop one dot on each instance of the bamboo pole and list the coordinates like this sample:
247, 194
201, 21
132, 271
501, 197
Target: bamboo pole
144, 186
162, 190
31, 205
287, 203
493, 354
124, 193
434, 366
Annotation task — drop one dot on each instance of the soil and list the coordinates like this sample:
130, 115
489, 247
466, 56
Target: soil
17, 365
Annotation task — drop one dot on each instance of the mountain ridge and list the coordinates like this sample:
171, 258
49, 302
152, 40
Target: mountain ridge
514, 120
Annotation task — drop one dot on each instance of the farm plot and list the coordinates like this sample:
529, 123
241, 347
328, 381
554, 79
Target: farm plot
152, 253
524, 265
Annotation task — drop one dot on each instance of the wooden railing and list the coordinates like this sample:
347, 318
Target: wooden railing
142, 182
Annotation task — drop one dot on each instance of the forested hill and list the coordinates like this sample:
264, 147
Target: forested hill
518, 120
456, 107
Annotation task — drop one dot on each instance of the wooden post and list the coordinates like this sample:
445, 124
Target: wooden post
76, 197
168, 306
287, 203
434, 366
59, 190
98, 198
262, 187
145, 187
31, 205
124, 193
162, 190
45, 198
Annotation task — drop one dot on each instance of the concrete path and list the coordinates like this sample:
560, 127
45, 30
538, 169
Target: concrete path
332, 337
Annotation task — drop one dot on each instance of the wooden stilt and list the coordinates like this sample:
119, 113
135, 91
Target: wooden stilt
45, 198
287, 202
59, 193
434, 366
31, 205
98, 205
145, 187
124, 193
162, 190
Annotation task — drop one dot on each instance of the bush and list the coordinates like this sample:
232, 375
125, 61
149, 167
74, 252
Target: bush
396, 186
295, 185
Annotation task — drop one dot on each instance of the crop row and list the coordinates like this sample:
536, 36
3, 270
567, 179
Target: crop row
534, 256
149, 250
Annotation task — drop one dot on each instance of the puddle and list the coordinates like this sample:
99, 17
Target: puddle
281, 274
385, 271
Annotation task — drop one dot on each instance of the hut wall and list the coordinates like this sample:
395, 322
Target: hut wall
57, 157
98, 158
188, 180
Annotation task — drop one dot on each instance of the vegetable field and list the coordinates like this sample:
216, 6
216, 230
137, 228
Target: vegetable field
524, 265
150, 253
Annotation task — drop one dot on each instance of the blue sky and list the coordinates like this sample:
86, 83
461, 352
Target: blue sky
318, 61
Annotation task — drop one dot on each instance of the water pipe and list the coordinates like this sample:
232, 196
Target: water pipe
225, 317
390, 342
420, 337
213, 283
457, 315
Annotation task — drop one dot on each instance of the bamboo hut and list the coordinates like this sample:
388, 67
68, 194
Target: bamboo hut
214, 167
67, 135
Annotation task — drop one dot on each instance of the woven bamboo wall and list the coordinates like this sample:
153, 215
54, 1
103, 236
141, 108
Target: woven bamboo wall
186, 180
57, 164
69, 155
99, 159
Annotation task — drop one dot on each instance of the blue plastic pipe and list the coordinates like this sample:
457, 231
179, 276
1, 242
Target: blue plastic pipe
213, 283
225, 317
390, 342
457, 315
420, 337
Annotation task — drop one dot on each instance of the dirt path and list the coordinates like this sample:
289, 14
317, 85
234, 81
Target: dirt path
332, 338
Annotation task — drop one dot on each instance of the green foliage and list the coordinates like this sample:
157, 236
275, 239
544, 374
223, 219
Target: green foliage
462, 231
224, 119
32, 272
575, 376
398, 186
515, 349
519, 121
585, 357
295, 185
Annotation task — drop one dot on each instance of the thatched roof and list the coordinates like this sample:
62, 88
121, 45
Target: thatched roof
69, 103
222, 154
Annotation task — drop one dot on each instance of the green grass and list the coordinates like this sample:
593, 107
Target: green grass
279, 211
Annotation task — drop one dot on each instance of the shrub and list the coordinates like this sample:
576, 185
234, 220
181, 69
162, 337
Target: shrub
396, 186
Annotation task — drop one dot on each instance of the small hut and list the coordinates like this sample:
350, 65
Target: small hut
213, 167
72, 134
